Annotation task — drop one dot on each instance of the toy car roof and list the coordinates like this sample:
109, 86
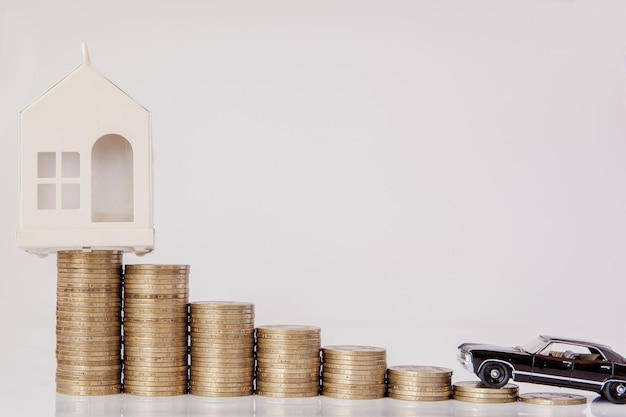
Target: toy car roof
577, 342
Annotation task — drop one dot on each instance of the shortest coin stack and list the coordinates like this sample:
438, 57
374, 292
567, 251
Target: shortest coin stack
553, 398
155, 330
419, 383
476, 392
288, 361
354, 372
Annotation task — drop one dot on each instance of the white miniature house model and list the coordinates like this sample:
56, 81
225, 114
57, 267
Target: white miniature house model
85, 168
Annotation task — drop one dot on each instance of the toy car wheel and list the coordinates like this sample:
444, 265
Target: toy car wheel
495, 374
615, 392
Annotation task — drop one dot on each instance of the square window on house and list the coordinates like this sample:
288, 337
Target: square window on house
46, 196
70, 196
46, 165
70, 165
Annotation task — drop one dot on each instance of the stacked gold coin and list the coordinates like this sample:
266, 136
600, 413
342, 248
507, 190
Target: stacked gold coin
222, 348
288, 361
88, 329
553, 398
155, 329
476, 392
419, 383
354, 372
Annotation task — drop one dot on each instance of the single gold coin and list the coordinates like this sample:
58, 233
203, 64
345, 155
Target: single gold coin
419, 390
419, 370
222, 379
553, 398
419, 397
219, 344
149, 286
234, 352
477, 387
418, 386
304, 356
155, 372
380, 367
352, 396
311, 392
288, 372
216, 362
353, 370
288, 380
156, 267
155, 382
222, 305
218, 374
88, 383
203, 384
486, 394
142, 385
374, 386
200, 393
288, 365
246, 387
212, 329
469, 399
281, 394
151, 296
419, 380
353, 349
154, 392
353, 379
81, 367
131, 349
248, 323
265, 385
71, 389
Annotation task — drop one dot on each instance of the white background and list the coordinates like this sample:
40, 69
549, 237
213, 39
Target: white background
404, 174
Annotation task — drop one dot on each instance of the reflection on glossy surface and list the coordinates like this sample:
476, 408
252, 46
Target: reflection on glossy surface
211, 406
75, 406
268, 406
602, 408
339, 408
258, 406
136, 406
467, 409
420, 408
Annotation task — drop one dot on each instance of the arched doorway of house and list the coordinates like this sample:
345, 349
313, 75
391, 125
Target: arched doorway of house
112, 180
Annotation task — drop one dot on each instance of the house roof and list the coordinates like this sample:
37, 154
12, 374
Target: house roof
84, 66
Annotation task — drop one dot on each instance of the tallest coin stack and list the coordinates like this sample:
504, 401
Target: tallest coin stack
88, 329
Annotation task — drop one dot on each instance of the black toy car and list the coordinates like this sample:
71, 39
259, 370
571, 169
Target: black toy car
551, 361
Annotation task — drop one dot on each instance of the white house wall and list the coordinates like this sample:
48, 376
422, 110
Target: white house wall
71, 117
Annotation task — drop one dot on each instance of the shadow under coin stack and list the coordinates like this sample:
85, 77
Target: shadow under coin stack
88, 329
288, 361
354, 372
222, 348
155, 330
419, 383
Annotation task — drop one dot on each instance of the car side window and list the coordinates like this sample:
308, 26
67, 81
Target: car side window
569, 351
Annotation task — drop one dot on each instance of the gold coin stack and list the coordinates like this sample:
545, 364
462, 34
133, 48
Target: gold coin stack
288, 361
419, 383
222, 348
88, 329
476, 392
155, 329
354, 372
